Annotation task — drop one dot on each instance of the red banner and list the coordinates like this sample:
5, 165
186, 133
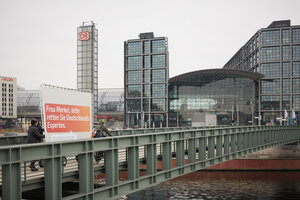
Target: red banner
67, 118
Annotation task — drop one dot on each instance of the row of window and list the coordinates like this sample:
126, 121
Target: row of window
273, 102
273, 69
156, 90
157, 75
156, 61
269, 54
272, 37
272, 86
158, 104
136, 48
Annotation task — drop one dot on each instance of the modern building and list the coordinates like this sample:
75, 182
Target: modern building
87, 61
29, 105
213, 97
146, 73
8, 101
274, 52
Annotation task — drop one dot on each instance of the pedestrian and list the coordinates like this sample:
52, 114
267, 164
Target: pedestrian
34, 136
101, 130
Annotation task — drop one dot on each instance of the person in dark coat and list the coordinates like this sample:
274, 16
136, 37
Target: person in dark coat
34, 136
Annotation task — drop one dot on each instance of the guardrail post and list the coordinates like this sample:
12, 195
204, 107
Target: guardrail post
53, 183
167, 158
226, 141
211, 147
191, 151
112, 170
180, 153
133, 165
233, 141
202, 147
151, 160
219, 143
86, 172
11, 181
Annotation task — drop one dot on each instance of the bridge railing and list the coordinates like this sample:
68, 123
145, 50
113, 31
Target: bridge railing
180, 152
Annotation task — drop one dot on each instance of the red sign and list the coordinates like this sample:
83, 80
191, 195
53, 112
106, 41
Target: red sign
7, 79
67, 118
84, 36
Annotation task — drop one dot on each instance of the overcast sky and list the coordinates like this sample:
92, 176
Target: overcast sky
38, 37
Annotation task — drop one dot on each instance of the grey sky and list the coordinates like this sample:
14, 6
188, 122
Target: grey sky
38, 38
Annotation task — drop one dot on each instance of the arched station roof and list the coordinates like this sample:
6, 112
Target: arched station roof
210, 75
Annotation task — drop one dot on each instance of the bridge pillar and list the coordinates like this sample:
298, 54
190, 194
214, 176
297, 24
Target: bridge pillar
202, 147
11, 181
191, 151
167, 156
112, 170
53, 182
151, 160
86, 173
133, 166
219, 143
180, 153
211, 147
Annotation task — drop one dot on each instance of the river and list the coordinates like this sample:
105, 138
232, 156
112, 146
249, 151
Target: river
241, 185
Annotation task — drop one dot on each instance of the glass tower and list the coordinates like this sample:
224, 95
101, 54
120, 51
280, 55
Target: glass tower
146, 74
274, 52
87, 61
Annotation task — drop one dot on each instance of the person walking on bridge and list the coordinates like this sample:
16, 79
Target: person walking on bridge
34, 136
101, 130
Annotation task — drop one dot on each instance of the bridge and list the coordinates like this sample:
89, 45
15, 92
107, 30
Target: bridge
133, 159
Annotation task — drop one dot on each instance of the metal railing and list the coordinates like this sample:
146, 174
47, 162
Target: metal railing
137, 155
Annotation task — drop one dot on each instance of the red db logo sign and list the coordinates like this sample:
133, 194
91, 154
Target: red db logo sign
84, 36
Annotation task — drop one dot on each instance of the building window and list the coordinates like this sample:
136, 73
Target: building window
158, 75
134, 48
158, 61
285, 69
158, 104
146, 105
270, 102
134, 90
270, 37
286, 85
146, 47
270, 86
146, 76
296, 68
270, 54
158, 46
286, 36
134, 105
158, 90
296, 101
134, 77
270, 69
296, 85
146, 91
296, 35
286, 102
286, 53
296, 52
134, 62
146, 61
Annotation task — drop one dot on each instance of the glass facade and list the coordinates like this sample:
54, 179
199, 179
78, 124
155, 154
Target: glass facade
111, 100
279, 51
211, 97
146, 76
87, 61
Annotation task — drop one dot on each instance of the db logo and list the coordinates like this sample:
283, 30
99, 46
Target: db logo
84, 36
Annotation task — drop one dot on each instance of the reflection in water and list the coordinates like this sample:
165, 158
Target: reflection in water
226, 185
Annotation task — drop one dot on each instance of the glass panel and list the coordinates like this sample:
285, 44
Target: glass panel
134, 105
286, 85
296, 68
270, 102
158, 105
286, 36
134, 90
296, 85
296, 35
146, 61
296, 52
270, 54
146, 90
285, 69
286, 102
158, 90
158, 61
134, 48
146, 76
146, 47
270, 37
146, 105
134, 77
158, 75
158, 46
134, 62
286, 53
296, 101
270, 69
270, 86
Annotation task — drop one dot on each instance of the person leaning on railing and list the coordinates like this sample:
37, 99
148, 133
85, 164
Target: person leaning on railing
34, 136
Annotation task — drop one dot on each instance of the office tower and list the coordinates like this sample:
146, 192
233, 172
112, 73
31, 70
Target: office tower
146, 73
274, 52
87, 61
